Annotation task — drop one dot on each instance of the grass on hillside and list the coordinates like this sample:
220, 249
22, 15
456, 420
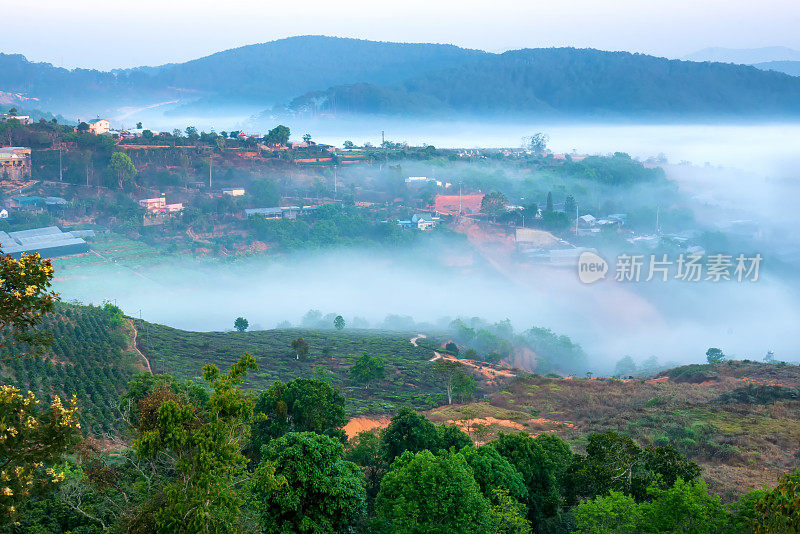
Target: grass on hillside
410, 380
741, 422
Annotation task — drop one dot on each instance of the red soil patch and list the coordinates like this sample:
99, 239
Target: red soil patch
359, 424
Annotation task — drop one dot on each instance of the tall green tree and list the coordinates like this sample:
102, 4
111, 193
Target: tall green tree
430, 493
278, 135
305, 485
408, 431
493, 472
300, 405
205, 448
530, 459
715, 355
122, 169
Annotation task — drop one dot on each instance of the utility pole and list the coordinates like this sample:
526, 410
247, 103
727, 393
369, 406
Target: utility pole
658, 227
60, 168
209, 171
459, 199
577, 210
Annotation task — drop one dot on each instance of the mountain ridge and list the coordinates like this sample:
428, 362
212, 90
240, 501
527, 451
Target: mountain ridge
372, 77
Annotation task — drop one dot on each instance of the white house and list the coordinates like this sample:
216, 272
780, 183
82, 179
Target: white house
3, 213
233, 191
424, 221
99, 126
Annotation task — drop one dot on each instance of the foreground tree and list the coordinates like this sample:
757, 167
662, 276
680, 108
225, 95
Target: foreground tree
685, 507
365, 451
408, 431
304, 485
777, 510
300, 405
614, 462
530, 459
25, 299
204, 447
427, 493
492, 472
32, 441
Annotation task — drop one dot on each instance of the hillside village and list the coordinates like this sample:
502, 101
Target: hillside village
229, 192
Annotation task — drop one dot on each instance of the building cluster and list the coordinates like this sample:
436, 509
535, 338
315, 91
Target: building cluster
24, 119
588, 224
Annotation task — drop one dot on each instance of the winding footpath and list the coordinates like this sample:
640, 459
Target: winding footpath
136, 346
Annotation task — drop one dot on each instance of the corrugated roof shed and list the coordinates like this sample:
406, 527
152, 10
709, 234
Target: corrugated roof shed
48, 241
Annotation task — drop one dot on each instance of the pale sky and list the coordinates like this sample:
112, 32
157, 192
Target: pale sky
107, 34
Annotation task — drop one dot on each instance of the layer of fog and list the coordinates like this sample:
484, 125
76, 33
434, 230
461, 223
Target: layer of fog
747, 145
675, 321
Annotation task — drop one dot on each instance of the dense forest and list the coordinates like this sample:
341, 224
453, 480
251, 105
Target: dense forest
571, 82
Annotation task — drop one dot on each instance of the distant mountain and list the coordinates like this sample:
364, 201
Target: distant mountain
792, 68
265, 73
61, 90
279, 70
350, 75
745, 56
574, 82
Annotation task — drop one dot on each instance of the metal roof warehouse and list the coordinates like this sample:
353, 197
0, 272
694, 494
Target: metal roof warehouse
48, 242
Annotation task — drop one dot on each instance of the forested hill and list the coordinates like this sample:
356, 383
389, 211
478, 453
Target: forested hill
282, 69
357, 76
579, 82
265, 73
